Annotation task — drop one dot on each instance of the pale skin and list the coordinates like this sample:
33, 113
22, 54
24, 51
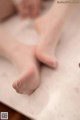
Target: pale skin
24, 56
29, 8
50, 27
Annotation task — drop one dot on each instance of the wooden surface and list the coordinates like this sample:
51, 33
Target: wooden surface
12, 115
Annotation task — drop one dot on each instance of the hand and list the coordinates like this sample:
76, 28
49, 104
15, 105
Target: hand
29, 8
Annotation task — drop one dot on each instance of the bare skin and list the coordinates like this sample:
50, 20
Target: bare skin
6, 9
29, 8
23, 57
50, 27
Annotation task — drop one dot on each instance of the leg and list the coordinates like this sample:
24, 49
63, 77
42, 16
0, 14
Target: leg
6, 9
23, 57
50, 26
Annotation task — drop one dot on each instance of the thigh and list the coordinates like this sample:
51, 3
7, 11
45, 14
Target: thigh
6, 9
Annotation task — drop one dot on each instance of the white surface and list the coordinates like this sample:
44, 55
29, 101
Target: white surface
58, 97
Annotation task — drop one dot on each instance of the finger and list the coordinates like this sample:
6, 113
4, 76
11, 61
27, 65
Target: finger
29, 5
22, 10
36, 8
26, 6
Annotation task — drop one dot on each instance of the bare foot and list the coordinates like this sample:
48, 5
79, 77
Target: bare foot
50, 27
50, 34
23, 57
